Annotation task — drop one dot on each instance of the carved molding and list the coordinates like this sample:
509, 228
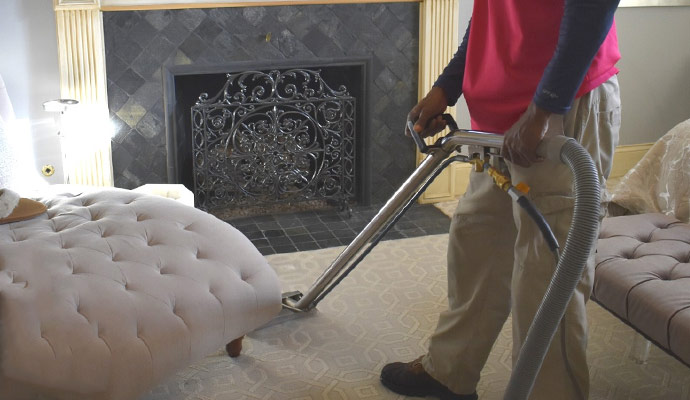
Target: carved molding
76, 4
438, 41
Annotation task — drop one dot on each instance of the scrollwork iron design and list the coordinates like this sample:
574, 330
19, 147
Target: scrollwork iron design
271, 137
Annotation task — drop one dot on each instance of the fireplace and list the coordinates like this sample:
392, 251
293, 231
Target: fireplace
150, 52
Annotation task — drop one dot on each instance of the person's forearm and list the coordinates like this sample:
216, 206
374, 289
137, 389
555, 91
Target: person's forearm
584, 27
451, 78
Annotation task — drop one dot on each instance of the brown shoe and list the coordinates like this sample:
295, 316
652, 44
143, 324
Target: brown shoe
410, 379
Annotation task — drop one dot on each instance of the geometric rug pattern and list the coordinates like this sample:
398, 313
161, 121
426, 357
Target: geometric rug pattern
385, 311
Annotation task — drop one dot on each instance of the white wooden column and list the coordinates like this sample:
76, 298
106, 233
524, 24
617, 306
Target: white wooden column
438, 42
81, 56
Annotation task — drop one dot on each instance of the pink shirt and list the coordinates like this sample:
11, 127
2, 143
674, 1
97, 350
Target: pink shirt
508, 49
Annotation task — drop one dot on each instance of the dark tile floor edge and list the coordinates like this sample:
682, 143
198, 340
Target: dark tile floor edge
319, 229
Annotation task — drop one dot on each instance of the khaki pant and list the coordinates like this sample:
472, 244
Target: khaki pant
498, 262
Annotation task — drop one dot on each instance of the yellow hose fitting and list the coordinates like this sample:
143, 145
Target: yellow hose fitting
501, 180
478, 164
522, 186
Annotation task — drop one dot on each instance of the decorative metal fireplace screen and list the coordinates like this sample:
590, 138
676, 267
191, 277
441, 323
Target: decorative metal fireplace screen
276, 137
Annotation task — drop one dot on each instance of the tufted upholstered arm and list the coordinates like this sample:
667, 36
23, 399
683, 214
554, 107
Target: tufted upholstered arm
110, 292
643, 277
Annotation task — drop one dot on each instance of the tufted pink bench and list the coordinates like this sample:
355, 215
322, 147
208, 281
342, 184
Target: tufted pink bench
112, 291
643, 277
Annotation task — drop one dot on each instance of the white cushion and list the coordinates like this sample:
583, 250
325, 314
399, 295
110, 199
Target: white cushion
110, 292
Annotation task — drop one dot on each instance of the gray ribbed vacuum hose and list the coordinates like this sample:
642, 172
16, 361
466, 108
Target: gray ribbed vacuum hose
581, 239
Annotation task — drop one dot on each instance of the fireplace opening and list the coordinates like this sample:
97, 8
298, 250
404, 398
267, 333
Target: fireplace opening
251, 140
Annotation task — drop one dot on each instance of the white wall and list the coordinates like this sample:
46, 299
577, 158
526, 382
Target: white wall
655, 70
29, 67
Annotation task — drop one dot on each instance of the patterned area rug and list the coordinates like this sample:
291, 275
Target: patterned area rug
384, 311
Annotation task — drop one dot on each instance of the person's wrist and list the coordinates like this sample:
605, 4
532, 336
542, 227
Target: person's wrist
540, 113
440, 94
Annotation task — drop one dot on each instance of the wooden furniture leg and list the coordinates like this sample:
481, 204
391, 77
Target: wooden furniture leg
235, 347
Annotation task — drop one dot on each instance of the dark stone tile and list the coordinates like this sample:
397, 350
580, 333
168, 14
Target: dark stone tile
322, 235
176, 33
313, 228
330, 218
208, 30
393, 235
244, 224
279, 241
337, 225
298, 230
130, 82
329, 243
408, 16
266, 251
288, 248
121, 130
289, 223
257, 46
121, 160
307, 246
290, 46
310, 220
273, 233
191, 18
159, 19
300, 25
135, 144
228, 45
157, 51
254, 235
138, 169
345, 241
192, 47
124, 20
269, 225
254, 15
147, 95
114, 66
386, 81
301, 238
400, 36
116, 99
234, 22
126, 48
260, 242
142, 31
160, 166
315, 40
387, 22
150, 126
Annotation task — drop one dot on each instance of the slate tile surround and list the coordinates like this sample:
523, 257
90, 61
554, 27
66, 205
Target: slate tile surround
141, 44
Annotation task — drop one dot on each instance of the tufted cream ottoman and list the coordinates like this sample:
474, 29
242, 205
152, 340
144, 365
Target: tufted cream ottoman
112, 291
643, 277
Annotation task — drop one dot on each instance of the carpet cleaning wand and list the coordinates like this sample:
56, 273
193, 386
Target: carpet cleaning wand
484, 153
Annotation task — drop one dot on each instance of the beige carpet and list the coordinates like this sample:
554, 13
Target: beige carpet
385, 311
